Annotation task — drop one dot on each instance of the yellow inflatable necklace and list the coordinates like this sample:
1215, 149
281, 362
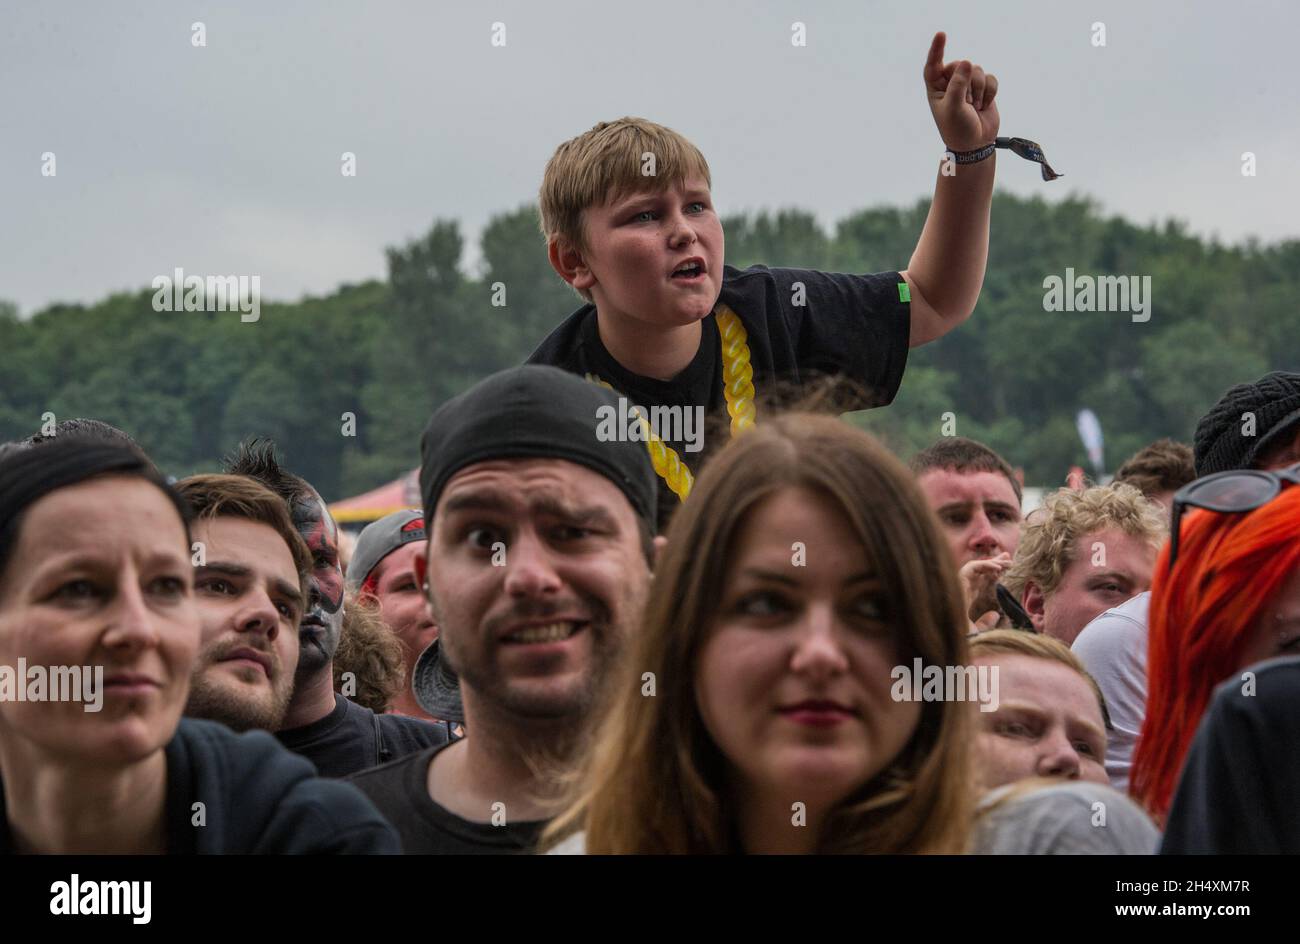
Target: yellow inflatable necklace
737, 387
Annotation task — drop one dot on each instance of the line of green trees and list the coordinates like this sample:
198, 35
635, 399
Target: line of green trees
190, 385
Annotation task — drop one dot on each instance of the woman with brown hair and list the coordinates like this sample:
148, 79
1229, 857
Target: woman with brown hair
756, 712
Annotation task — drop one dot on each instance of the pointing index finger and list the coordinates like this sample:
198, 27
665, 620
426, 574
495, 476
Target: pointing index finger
934, 61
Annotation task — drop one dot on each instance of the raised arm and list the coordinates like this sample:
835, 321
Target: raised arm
946, 271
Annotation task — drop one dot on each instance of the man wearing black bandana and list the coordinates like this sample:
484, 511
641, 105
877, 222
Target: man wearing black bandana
536, 571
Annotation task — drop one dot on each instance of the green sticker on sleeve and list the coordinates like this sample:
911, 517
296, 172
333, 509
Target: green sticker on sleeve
904, 293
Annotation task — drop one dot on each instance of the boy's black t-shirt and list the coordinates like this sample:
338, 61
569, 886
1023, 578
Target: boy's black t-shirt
352, 738
400, 791
850, 326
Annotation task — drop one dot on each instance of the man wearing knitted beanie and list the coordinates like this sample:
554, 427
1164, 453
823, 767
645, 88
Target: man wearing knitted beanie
1252, 426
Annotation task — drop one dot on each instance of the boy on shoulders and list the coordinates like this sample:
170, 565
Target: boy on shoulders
630, 224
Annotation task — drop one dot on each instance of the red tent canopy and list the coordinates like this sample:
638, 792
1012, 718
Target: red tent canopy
384, 500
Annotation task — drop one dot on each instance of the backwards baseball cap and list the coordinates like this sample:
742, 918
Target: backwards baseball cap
380, 538
532, 412
1226, 438
529, 412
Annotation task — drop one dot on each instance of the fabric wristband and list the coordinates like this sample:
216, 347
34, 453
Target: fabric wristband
1023, 147
973, 157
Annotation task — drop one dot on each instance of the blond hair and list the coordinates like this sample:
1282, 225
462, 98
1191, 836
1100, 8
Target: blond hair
605, 163
1047, 542
1037, 646
654, 780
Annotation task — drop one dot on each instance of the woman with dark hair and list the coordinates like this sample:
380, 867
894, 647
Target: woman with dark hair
96, 585
758, 711
1226, 595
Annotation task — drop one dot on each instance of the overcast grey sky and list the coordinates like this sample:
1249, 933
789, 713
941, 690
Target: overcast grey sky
226, 158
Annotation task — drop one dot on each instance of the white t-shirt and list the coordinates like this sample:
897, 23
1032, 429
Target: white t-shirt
574, 845
1113, 648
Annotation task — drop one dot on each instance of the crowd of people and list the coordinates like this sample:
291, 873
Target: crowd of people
546, 672
788, 641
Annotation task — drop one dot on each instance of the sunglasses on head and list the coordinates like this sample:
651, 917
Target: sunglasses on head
1233, 492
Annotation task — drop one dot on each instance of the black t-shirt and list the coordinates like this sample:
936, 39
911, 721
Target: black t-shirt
256, 798
400, 791
850, 326
1239, 790
352, 738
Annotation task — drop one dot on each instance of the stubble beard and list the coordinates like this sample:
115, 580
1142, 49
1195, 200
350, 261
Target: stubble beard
215, 701
494, 691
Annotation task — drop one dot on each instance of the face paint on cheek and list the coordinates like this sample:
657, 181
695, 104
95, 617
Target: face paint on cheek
329, 639
317, 528
330, 582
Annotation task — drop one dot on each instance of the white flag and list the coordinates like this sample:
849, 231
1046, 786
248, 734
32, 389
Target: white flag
1090, 432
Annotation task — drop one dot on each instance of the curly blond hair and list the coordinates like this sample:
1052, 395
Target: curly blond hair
1047, 542
371, 652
